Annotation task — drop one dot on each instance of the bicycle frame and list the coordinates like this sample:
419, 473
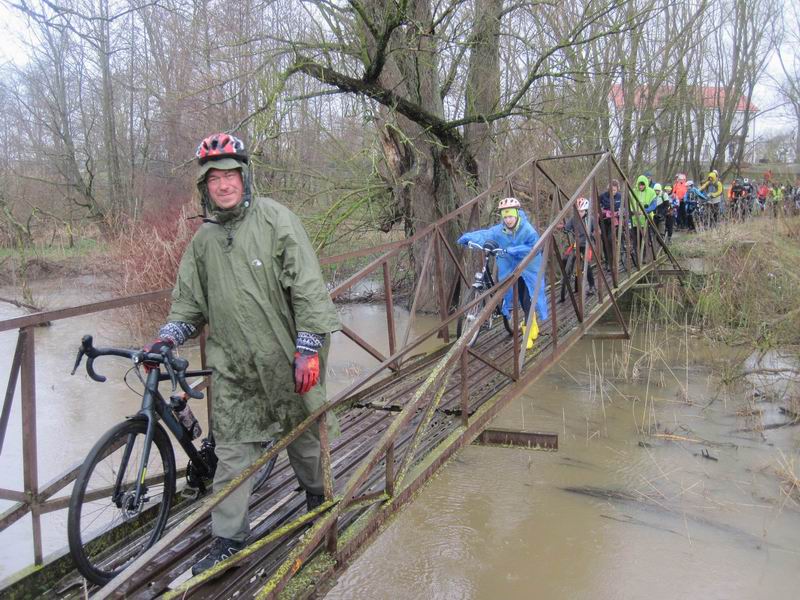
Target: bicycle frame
484, 281
154, 406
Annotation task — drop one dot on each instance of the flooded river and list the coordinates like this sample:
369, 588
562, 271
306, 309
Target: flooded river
629, 507
659, 488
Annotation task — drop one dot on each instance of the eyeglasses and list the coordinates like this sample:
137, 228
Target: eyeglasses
228, 177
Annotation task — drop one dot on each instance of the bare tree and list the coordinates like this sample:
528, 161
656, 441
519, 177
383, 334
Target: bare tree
789, 57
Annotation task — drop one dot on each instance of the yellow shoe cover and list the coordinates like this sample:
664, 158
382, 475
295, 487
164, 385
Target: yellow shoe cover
533, 334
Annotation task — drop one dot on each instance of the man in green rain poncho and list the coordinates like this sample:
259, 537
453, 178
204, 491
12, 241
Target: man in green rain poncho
251, 275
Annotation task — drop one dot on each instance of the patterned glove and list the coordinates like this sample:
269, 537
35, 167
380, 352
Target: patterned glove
157, 346
306, 371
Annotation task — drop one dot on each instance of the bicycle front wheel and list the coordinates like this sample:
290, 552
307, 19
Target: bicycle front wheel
107, 528
466, 321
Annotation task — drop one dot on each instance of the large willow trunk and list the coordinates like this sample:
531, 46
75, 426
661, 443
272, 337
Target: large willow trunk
431, 173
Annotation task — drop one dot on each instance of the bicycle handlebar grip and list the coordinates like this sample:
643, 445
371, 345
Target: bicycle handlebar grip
87, 348
187, 388
92, 373
180, 365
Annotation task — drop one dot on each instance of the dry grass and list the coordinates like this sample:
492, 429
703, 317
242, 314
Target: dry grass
147, 255
788, 471
752, 294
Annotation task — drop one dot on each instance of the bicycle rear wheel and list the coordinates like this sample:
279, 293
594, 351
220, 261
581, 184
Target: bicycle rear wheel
260, 478
106, 530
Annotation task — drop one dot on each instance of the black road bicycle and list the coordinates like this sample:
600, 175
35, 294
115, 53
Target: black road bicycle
483, 281
122, 496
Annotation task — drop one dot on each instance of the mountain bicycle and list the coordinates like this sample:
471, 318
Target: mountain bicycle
123, 493
483, 281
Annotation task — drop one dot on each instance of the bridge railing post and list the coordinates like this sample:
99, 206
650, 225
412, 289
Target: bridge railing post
30, 461
444, 332
11, 389
553, 311
464, 400
389, 302
327, 477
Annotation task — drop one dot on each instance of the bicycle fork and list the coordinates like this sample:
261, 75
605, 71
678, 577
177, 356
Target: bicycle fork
132, 505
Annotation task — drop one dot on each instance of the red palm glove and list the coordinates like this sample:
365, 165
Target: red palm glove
157, 346
306, 371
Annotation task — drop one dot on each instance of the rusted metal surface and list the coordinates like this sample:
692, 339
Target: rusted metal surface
10, 389
30, 462
518, 439
64, 313
398, 427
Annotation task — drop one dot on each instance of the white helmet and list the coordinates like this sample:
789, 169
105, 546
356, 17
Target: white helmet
508, 203
583, 204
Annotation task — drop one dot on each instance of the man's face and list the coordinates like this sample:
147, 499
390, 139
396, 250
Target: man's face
642, 186
225, 187
614, 190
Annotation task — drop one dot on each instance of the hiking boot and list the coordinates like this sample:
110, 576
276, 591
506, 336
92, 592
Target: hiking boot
313, 500
221, 549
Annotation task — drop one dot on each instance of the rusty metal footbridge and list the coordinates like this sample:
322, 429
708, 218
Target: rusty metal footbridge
401, 420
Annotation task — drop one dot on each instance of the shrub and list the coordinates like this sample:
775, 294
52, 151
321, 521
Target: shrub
146, 255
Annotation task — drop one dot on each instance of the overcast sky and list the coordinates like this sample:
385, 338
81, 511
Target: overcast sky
772, 119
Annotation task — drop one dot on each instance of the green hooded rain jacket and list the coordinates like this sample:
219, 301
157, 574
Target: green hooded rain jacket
641, 199
254, 278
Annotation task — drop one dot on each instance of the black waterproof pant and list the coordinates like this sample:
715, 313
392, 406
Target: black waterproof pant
524, 296
670, 223
607, 233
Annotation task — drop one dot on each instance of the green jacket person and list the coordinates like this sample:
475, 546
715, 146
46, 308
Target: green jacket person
251, 275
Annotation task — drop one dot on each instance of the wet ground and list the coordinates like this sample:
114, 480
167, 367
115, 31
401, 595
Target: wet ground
659, 489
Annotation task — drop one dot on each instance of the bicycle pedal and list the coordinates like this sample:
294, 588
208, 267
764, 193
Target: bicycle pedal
191, 493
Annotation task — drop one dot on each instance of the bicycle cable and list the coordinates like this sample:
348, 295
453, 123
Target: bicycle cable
128, 385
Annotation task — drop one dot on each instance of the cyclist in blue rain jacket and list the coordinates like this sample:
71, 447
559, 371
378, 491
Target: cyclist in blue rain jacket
516, 236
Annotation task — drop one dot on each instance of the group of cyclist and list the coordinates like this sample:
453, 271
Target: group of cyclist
682, 204
687, 205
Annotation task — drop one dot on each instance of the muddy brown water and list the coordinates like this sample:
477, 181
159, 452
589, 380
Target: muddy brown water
620, 511
617, 512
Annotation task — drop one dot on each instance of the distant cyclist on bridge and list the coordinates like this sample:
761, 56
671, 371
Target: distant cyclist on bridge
251, 274
713, 188
516, 237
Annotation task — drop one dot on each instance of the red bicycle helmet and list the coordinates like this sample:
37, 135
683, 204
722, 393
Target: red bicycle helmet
221, 145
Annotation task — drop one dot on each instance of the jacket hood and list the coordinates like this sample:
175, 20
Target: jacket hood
216, 213
642, 179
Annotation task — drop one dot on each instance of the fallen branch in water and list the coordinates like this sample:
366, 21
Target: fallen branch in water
19, 304
673, 437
